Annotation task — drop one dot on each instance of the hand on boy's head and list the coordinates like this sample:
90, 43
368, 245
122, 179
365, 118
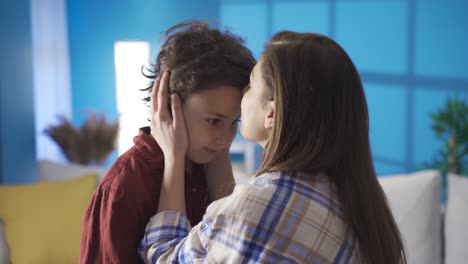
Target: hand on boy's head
168, 131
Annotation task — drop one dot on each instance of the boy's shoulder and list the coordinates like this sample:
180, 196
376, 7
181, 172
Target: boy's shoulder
137, 168
124, 166
129, 179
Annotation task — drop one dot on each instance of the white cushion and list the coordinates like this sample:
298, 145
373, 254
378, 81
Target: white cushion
53, 171
456, 220
4, 251
415, 202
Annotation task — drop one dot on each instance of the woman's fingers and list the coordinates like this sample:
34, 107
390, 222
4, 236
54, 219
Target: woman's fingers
163, 112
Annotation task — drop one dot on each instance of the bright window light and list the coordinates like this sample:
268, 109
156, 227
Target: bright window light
130, 56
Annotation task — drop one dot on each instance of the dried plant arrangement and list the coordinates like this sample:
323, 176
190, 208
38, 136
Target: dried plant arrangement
91, 143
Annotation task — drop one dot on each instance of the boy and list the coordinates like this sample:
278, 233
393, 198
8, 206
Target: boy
208, 70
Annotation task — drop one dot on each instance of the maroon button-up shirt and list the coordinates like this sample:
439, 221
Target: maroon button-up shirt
127, 197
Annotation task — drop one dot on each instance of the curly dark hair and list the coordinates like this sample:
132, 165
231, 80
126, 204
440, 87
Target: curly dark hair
200, 57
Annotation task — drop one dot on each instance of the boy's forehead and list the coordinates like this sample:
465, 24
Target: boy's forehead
223, 101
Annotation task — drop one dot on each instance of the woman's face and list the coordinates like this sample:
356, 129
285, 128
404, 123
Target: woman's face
256, 112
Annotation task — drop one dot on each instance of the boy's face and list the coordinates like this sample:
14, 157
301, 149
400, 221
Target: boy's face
211, 118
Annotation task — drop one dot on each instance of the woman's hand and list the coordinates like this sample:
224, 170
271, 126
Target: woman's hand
169, 131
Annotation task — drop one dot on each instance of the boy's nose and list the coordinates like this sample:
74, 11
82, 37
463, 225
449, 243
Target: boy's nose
223, 139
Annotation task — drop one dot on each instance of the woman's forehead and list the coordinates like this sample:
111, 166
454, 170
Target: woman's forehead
256, 70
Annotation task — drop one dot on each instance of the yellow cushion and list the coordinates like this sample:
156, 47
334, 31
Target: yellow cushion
43, 221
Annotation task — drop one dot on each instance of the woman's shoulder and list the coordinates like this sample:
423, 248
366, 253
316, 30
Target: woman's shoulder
292, 182
251, 196
277, 190
295, 208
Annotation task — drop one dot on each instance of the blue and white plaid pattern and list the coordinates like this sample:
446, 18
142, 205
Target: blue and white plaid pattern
275, 218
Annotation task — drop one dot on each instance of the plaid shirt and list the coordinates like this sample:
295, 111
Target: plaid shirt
274, 218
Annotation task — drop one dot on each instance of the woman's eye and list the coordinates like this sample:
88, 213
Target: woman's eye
246, 88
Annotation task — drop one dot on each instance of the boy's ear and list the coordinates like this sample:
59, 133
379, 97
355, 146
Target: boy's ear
269, 116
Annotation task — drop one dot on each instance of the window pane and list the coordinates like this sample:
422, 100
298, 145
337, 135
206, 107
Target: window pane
301, 17
248, 20
388, 117
442, 39
375, 34
133, 113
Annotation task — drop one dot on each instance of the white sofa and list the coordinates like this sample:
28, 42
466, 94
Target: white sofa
433, 234
428, 232
415, 202
456, 221
414, 199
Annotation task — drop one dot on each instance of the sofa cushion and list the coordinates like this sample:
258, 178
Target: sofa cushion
52, 171
43, 221
456, 219
415, 202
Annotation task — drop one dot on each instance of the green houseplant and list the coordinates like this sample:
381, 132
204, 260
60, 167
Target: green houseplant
89, 144
450, 125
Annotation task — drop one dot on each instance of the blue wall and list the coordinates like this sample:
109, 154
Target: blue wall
17, 148
411, 54
94, 27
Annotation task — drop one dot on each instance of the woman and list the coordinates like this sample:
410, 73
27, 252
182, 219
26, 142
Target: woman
315, 198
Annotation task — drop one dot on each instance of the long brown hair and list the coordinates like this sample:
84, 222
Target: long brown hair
321, 125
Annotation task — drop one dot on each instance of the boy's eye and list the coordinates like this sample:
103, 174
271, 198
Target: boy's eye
213, 121
235, 122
